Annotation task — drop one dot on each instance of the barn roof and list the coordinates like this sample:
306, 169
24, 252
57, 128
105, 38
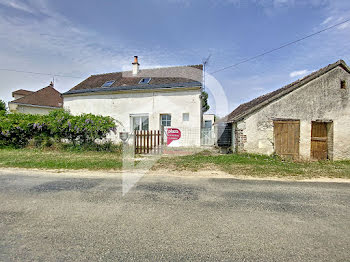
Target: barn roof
165, 77
252, 106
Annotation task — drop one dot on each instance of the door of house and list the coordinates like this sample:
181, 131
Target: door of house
319, 141
286, 135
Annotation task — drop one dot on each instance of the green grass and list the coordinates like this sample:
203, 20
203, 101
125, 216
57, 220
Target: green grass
256, 165
54, 159
242, 164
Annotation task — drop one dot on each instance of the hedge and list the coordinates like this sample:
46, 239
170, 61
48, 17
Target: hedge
18, 129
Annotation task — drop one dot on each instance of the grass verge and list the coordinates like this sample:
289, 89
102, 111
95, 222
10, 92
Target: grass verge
54, 159
242, 164
256, 165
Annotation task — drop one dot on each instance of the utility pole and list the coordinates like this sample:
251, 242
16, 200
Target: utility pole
205, 64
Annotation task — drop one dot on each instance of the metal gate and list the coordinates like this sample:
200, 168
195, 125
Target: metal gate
207, 137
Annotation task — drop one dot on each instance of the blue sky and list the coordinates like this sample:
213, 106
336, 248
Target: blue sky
80, 38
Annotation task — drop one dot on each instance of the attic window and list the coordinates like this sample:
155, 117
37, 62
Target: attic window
108, 83
343, 84
145, 80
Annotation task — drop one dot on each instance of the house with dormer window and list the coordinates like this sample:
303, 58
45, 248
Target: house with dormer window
144, 99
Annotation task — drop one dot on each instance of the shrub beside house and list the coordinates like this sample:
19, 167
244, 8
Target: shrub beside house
17, 129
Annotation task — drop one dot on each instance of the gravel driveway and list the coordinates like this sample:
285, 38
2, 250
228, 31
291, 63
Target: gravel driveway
45, 217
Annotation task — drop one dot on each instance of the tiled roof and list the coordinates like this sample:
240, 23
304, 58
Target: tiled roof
166, 77
47, 96
21, 92
257, 103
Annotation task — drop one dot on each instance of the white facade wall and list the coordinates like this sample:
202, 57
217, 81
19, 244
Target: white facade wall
29, 109
122, 106
320, 99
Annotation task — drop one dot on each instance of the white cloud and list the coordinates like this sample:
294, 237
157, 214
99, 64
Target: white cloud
344, 26
327, 20
283, 2
46, 41
17, 5
300, 73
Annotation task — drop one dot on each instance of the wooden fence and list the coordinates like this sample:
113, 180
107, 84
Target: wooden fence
148, 142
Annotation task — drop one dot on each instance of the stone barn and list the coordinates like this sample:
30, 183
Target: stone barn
307, 119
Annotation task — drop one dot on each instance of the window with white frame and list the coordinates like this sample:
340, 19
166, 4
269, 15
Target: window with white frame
140, 122
165, 119
185, 117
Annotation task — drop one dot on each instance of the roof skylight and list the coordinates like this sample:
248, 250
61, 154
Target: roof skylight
108, 83
145, 80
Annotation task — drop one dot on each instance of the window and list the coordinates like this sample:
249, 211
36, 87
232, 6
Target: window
343, 84
185, 117
207, 123
165, 120
145, 80
108, 83
140, 122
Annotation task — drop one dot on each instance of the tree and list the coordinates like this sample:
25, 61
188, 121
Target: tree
205, 105
2, 105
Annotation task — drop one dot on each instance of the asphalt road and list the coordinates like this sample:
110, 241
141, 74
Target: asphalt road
53, 218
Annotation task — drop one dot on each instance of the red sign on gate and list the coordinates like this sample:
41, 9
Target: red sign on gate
172, 135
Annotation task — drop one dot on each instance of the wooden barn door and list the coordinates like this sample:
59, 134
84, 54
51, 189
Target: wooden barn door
287, 134
319, 141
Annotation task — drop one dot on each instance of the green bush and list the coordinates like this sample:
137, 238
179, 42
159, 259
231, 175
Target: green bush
107, 146
16, 130
83, 129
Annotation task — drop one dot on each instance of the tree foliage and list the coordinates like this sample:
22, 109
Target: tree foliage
2, 105
205, 105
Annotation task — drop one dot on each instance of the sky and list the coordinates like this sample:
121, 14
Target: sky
83, 37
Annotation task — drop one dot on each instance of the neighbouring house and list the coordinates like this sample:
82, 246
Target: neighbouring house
144, 99
21, 93
307, 119
40, 102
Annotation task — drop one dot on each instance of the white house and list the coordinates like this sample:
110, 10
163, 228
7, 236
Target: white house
144, 100
307, 119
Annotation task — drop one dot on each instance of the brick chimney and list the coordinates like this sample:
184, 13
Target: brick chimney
135, 66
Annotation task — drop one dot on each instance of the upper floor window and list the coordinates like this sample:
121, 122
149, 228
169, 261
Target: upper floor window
108, 83
208, 124
343, 84
145, 80
165, 120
